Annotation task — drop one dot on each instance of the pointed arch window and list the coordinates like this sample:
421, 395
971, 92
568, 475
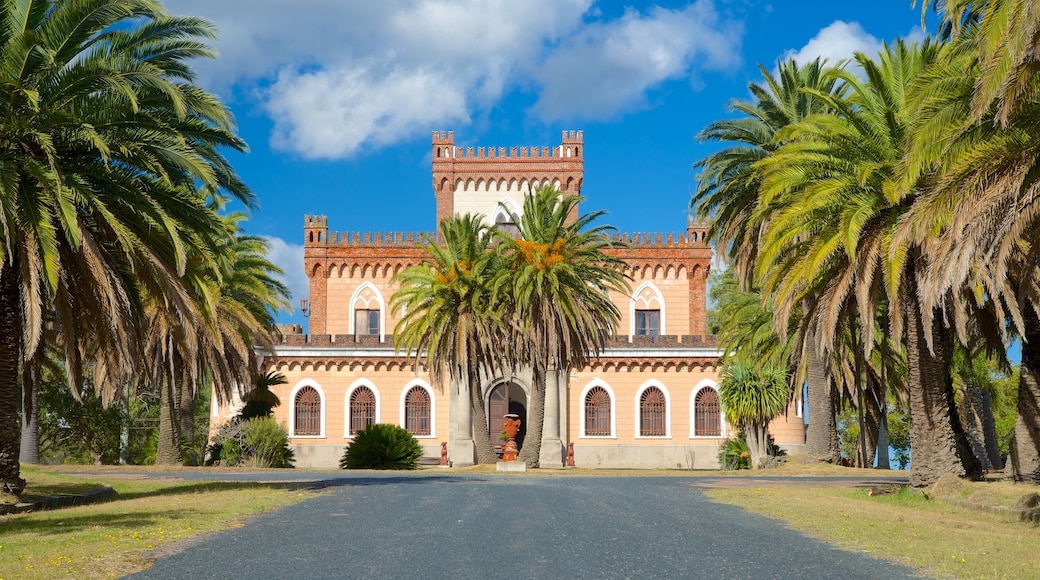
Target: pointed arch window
417, 411
307, 413
362, 409
653, 413
597, 413
707, 414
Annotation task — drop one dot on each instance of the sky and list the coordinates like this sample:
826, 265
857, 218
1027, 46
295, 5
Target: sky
338, 99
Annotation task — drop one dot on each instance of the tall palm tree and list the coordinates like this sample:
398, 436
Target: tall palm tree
728, 193
450, 316
834, 183
976, 216
558, 278
104, 140
232, 297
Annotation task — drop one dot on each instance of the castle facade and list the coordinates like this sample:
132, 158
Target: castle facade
650, 400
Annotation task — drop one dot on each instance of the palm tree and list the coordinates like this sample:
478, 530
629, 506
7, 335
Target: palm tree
975, 216
834, 189
728, 187
1003, 38
104, 139
451, 318
752, 396
728, 193
231, 297
558, 278
746, 324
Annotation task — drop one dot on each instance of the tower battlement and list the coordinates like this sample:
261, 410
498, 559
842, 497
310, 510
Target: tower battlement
464, 172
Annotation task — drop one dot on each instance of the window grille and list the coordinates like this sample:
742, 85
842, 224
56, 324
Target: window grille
417, 411
652, 413
707, 414
307, 407
362, 409
597, 413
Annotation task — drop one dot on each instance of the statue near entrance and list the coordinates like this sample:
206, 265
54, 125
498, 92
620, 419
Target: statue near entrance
511, 425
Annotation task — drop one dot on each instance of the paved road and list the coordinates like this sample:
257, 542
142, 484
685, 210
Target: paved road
429, 525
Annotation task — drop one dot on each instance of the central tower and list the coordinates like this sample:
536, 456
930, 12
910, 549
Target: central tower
477, 180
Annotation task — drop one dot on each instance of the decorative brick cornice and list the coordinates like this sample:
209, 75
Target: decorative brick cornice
342, 352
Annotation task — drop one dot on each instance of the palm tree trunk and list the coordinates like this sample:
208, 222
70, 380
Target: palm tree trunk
30, 446
989, 430
821, 436
870, 433
186, 419
1024, 456
11, 323
884, 461
938, 444
974, 402
167, 451
481, 434
532, 449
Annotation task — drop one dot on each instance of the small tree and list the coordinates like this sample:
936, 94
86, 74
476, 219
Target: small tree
751, 398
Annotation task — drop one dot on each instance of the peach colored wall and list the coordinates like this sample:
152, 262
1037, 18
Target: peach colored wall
343, 285
678, 386
389, 385
669, 283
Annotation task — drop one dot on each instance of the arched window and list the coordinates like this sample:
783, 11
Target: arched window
307, 409
707, 414
653, 413
647, 311
362, 409
417, 411
367, 310
597, 413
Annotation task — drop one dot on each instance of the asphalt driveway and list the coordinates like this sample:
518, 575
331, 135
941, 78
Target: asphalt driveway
432, 525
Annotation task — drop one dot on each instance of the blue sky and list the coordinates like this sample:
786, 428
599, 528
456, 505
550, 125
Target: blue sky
338, 98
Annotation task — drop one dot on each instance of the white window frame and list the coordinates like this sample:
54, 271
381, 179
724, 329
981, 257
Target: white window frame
667, 410
613, 410
346, 404
433, 406
292, 409
706, 384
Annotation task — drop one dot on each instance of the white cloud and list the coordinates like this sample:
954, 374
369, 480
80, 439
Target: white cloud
289, 257
606, 68
340, 76
836, 42
331, 113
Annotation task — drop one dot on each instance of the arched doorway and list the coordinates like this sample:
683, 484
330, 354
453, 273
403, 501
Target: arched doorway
504, 399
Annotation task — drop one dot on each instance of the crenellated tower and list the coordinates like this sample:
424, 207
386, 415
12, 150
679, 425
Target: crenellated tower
478, 179
316, 265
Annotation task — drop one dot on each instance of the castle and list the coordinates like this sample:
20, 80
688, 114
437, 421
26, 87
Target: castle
650, 399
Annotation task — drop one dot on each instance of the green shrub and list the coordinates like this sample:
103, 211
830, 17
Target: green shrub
268, 443
256, 442
735, 454
382, 446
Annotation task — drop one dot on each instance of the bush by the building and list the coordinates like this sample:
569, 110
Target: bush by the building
382, 446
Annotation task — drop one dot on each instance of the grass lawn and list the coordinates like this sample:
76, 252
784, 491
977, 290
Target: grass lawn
937, 536
119, 536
